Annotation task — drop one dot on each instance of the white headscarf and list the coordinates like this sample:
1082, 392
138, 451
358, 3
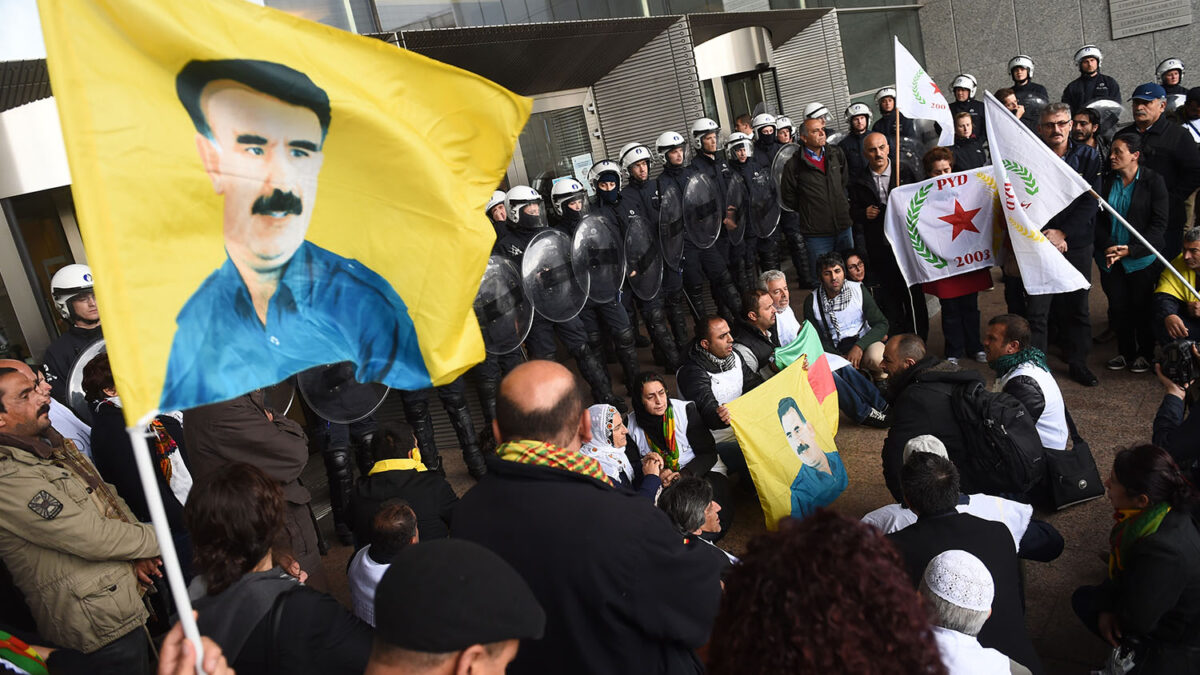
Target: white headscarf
612, 459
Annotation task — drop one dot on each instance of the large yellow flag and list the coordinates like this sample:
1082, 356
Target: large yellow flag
260, 194
787, 440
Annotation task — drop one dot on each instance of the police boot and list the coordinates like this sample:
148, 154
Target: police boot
799, 249
416, 411
627, 355
695, 301
677, 313
664, 341
768, 255
488, 387
639, 340
460, 419
727, 295
363, 456
341, 483
596, 375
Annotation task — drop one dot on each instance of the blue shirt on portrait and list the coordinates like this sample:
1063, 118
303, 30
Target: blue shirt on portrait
813, 488
326, 309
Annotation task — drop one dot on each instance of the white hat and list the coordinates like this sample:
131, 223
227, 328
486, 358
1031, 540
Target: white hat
961, 579
925, 443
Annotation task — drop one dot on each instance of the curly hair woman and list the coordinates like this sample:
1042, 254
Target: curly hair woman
822, 595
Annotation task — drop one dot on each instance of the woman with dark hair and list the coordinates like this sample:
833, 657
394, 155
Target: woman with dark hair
1128, 270
1150, 601
247, 596
822, 595
674, 430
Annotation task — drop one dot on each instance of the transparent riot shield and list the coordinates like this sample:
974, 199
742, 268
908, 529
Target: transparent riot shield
549, 278
643, 258
597, 253
503, 311
703, 210
333, 392
670, 225
737, 196
782, 157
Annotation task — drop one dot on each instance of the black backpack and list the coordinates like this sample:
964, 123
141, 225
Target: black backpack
1003, 452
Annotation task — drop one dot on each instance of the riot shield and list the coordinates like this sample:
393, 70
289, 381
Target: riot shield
782, 157
549, 278
670, 225
926, 132
738, 197
76, 398
1110, 114
643, 258
835, 138
703, 210
333, 392
504, 313
1033, 106
764, 203
597, 254
910, 155
1175, 103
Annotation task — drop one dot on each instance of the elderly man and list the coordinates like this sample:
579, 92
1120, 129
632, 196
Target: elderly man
814, 186
71, 543
1176, 310
1021, 371
848, 320
625, 595
787, 327
1168, 149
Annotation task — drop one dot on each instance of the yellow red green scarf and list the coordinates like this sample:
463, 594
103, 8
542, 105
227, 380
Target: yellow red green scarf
540, 453
1132, 525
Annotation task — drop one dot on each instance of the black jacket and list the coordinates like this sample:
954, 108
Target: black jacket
694, 379
716, 169
1030, 90
976, 110
1170, 150
1078, 220
427, 492
642, 197
818, 197
861, 192
991, 542
969, 153
920, 400
762, 346
1157, 596
1083, 90
622, 593
1147, 212
1176, 434
886, 125
113, 455
61, 354
852, 147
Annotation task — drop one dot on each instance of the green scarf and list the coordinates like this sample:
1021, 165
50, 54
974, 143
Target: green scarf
1005, 364
540, 453
1132, 525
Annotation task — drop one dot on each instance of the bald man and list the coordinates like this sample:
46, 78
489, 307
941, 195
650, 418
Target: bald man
62, 419
620, 590
868, 192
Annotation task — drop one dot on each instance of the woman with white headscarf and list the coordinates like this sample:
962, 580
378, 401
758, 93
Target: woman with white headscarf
608, 446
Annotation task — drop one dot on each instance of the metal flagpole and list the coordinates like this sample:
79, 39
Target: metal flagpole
1138, 235
896, 169
166, 545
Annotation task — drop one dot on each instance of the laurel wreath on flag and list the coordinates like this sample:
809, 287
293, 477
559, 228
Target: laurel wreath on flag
1026, 176
914, 237
917, 80
1024, 231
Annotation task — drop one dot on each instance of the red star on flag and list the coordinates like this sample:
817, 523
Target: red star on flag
936, 89
961, 220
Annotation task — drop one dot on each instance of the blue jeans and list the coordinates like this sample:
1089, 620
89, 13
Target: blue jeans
856, 394
818, 246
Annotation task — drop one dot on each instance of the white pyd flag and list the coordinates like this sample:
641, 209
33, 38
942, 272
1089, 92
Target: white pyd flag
1034, 185
917, 95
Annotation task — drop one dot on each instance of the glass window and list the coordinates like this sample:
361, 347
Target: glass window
399, 15
870, 69
710, 100
553, 143
39, 235
742, 93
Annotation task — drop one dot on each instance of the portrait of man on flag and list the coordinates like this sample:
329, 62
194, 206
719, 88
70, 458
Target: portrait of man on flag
260, 133
822, 476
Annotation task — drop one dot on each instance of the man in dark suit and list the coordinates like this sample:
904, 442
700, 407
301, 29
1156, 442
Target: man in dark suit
930, 485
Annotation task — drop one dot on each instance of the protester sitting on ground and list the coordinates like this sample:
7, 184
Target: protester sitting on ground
398, 473
112, 453
610, 446
1022, 372
247, 593
959, 589
690, 506
393, 528
931, 490
1128, 268
754, 329
821, 595
1151, 598
920, 388
672, 429
1034, 539
787, 326
620, 592
1178, 435
451, 606
856, 270
1176, 310
847, 319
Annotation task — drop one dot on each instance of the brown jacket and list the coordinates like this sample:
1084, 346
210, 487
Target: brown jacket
239, 431
69, 539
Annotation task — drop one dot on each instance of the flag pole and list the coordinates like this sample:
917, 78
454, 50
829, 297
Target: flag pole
896, 169
166, 545
1138, 235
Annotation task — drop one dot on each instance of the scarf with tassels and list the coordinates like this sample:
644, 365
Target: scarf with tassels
1132, 525
1005, 364
540, 453
670, 449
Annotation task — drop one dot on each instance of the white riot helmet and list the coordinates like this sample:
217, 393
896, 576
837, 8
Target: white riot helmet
67, 283
701, 128
1021, 61
1089, 50
965, 81
785, 123
564, 191
497, 198
884, 93
633, 153
762, 120
857, 109
520, 197
668, 141
1167, 66
816, 111
602, 167
739, 140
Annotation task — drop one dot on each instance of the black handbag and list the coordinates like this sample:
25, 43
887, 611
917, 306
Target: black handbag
1072, 473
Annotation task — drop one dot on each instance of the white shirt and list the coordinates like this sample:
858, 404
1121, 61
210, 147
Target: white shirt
851, 321
1013, 515
364, 575
787, 325
1052, 423
1194, 127
66, 423
883, 182
963, 655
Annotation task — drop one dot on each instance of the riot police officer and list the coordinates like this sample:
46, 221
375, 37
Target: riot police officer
1020, 69
496, 213
964, 88
710, 263
1091, 85
72, 290
454, 400
1170, 75
885, 98
785, 130
858, 123
765, 147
